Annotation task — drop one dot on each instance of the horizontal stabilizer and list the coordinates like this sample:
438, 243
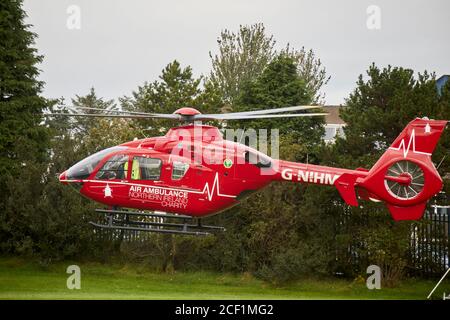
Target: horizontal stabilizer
346, 187
407, 213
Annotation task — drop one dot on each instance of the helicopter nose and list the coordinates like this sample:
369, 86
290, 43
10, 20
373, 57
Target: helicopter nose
63, 177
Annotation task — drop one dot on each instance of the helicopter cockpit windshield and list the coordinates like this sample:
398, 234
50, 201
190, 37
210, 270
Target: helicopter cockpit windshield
84, 168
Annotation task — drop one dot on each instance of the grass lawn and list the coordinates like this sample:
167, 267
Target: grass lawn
20, 279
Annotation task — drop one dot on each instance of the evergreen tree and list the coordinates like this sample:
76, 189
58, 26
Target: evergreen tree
81, 126
280, 86
61, 216
378, 109
176, 88
23, 140
267, 233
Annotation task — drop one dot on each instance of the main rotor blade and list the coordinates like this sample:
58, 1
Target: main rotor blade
255, 114
261, 116
116, 111
265, 111
129, 116
109, 110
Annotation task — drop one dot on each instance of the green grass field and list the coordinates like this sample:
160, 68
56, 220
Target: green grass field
20, 279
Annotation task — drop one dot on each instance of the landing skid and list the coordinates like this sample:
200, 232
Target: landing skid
154, 222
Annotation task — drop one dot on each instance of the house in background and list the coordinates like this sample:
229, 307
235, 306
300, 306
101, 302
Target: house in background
441, 81
334, 125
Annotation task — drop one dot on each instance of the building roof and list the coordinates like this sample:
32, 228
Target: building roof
333, 115
443, 77
441, 81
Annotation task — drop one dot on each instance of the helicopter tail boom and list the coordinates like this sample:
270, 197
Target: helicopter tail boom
404, 177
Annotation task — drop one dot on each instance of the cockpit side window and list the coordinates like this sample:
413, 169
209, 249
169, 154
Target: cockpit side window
115, 167
144, 168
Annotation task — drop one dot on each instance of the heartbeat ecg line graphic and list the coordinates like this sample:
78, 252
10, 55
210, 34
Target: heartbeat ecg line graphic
215, 186
412, 142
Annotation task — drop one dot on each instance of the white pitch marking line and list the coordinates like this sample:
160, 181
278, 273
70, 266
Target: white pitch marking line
438, 283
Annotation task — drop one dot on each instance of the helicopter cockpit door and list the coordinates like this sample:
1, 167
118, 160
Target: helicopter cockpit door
109, 182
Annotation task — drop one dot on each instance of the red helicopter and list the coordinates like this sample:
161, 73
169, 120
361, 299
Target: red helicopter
193, 172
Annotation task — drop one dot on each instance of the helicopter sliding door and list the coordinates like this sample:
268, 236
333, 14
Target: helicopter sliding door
147, 181
146, 168
152, 183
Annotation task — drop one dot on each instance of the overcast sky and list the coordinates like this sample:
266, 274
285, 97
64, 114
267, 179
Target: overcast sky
122, 43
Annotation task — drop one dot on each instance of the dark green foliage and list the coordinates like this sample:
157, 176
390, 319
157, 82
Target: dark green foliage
380, 107
244, 55
47, 220
266, 234
242, 58
23, 141
310, 70
21, 138
278, 234
176, 88
377, 111
38, 215
280, 86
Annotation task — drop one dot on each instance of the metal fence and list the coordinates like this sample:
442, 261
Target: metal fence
428, 253
430, 242
429, 250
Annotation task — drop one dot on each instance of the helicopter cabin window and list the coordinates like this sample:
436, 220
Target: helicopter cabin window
258, 159
115, 167
179, 170
144, 168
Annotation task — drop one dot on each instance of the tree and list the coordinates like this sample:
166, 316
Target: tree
381, 106
267, 234
95, 134
175, 89
244, 55
23, 140
20, 104
311, 70
81, 126
377, 111
280, 86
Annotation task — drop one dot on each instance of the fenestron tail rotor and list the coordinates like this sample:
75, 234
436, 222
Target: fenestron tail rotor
412, 187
